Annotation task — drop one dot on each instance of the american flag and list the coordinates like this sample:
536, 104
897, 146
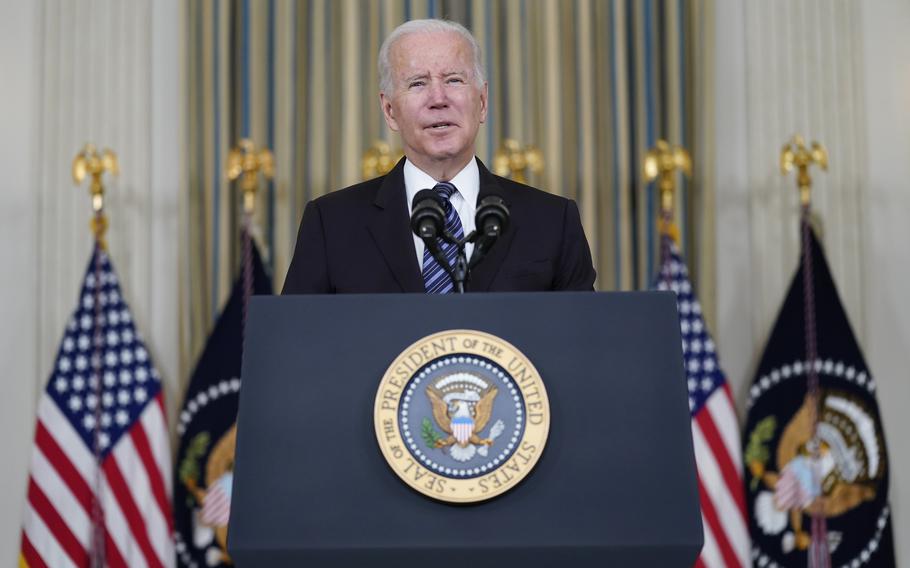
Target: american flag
715, 429
101, 456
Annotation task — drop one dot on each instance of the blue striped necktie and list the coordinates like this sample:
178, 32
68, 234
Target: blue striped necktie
435, 278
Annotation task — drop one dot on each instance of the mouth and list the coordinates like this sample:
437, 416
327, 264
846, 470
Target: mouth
441, 126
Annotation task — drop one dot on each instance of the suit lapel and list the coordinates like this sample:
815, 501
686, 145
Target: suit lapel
482, 276
390, 228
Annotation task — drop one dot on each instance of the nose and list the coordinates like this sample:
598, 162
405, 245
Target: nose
438, 97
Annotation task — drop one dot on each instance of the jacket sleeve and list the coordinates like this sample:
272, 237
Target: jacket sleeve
576, 270
309, 271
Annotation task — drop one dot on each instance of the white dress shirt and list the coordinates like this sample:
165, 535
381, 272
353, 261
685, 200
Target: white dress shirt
464, 201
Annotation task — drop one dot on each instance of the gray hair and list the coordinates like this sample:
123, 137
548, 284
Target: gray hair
426, 27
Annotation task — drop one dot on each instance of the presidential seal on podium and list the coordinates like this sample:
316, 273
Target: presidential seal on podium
461, 416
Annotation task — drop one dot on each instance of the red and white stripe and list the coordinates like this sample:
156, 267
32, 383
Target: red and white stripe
715, 433
134, 494
789, 492
216, 507
462, 431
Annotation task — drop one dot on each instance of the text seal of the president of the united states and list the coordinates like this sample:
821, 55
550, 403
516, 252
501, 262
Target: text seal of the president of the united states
461, 416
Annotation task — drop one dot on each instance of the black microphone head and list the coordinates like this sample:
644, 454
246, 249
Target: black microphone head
423, 195
492, 216
428, 218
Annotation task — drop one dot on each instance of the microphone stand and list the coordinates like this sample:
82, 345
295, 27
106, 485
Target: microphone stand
461, 272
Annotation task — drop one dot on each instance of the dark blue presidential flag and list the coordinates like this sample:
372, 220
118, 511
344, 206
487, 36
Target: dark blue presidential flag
207, 429
835, 481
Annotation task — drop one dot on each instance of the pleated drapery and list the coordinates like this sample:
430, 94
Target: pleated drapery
592, 83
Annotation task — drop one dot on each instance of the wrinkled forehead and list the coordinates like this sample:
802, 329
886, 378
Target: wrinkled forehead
431, 52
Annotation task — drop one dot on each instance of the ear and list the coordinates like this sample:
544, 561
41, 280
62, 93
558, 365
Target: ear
386, 104
483, 103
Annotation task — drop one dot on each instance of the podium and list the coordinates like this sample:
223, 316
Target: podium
615, 485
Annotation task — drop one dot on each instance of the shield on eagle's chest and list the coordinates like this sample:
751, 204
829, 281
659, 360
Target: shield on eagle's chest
462, 428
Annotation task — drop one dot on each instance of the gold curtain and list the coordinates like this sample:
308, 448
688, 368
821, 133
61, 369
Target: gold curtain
592, 83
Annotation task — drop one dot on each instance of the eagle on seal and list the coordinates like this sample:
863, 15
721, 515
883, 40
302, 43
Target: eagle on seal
461, 420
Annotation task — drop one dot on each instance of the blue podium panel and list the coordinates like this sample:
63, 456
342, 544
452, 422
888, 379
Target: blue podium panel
615, 485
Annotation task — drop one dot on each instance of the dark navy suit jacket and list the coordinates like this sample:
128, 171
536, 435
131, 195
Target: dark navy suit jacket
358, 240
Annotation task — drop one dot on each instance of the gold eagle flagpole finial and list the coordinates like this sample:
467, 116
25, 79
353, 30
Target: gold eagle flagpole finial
246, 162
796, 155
88, 163
513, 161
661, 163
379, 159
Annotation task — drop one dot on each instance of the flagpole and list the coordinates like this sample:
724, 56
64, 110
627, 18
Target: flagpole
795, 155
711, 406
661, 163
89, 163
246, 163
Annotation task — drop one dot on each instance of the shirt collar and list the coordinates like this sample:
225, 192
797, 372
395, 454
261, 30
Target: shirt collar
467, 181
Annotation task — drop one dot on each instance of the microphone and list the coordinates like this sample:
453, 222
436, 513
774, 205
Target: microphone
428, 221
428, 218
492, 220
492, 217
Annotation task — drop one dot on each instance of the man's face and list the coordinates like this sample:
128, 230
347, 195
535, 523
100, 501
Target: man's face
435, 102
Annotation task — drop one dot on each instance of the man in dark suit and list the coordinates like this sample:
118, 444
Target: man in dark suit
358, 240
